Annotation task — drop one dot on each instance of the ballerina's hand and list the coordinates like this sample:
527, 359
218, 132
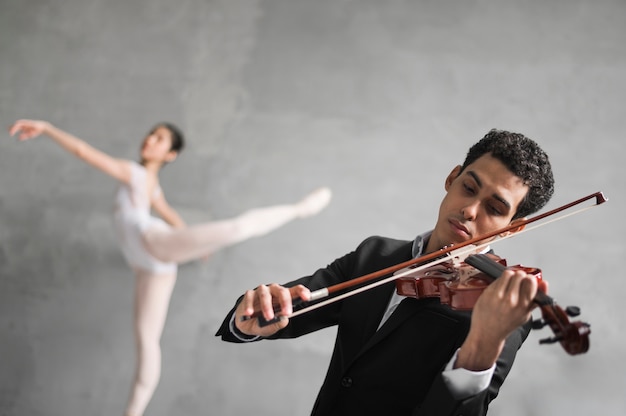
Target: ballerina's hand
28, 129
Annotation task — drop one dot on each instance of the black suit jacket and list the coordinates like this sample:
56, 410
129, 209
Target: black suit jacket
397, 369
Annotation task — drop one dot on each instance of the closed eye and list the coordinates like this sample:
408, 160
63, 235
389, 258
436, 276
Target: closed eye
469, 189
494, 210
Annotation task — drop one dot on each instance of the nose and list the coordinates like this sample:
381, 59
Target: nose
470, 210
149, 140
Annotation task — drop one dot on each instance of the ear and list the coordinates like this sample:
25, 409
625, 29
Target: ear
515, 230
452, 176
171, 156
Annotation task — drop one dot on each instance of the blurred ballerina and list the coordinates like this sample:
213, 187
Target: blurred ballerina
152, 246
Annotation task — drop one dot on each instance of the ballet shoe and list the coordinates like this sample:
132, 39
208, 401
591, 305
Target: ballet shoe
314, 202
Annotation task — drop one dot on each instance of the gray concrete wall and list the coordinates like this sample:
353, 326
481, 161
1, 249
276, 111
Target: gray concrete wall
378, 100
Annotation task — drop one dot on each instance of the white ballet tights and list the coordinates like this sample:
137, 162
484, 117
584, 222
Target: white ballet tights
152, 298
178, 245
153, 291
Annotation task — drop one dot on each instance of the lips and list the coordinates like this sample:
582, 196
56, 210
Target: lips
459, 228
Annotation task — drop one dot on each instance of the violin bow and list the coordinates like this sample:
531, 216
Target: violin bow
458, 252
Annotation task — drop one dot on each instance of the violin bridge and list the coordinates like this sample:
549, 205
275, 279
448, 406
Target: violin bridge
459, 255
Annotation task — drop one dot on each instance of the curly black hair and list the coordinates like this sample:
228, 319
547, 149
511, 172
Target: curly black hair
524, 158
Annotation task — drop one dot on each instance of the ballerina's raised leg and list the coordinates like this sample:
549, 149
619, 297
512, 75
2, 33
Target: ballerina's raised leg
180, 245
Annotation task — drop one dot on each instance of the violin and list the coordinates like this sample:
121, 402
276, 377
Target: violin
459, 285
456, 285
462, 293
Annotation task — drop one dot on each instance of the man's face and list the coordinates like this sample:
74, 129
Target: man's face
481, 199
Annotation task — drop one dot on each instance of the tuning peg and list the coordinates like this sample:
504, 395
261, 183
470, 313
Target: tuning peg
572, 311
551, 340
538, 323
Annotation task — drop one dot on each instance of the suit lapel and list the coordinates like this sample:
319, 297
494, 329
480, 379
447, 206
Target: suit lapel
377, 299
373, 303
405, 310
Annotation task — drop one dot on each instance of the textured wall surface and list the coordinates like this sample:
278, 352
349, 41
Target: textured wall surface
378, 100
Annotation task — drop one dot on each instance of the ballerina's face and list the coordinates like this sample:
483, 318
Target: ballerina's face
157, 146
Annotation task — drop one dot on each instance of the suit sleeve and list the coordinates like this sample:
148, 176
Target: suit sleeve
371, 255
336, 272
440, 401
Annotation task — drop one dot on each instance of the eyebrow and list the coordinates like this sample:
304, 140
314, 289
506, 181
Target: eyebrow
480, 185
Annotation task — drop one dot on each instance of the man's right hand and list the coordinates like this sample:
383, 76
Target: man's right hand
270, 301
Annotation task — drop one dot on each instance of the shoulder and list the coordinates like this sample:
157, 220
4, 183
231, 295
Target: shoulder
380, 251
384, 245
132, 173
136, 167
370, 255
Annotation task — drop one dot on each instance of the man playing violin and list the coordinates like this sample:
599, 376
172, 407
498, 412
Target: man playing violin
407, 356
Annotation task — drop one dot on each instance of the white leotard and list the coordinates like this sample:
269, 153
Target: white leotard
132, 218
